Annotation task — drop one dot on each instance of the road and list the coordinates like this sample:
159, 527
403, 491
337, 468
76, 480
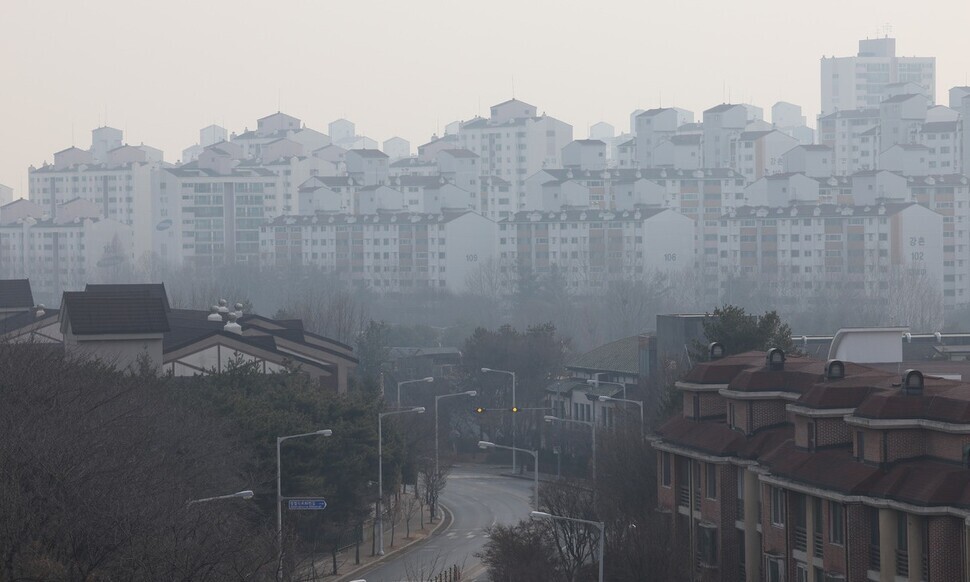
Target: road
477, 497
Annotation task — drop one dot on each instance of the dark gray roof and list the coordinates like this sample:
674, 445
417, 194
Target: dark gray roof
596, 142
154, 290
722, 108
688, 139
15, 293
96, 314
824, 210
900, 98
404, 218
622, 355
364, 153
592, 215
460, 153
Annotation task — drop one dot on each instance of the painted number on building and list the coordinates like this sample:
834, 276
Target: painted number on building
670, 257
471, 258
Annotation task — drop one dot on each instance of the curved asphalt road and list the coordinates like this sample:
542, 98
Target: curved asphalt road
478, 496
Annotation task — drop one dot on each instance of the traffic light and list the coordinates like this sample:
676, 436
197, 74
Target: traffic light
515, 409
480, 409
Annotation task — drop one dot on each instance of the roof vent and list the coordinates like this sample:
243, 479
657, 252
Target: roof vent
223, 306
912, 382
232, 326
39, 311
715, 350
775, 359
834, 370
214, 314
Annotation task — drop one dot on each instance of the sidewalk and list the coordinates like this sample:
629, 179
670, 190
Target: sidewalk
321, 566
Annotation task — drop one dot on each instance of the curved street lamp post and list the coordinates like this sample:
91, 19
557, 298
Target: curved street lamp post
380, 470
514, 407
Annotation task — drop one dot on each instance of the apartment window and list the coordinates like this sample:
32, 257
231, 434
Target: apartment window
860, 445
836, 523
775, 569
711, 481
811, 435
665, 469
707, 544
777, 507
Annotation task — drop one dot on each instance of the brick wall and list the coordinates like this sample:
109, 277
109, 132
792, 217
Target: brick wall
832, 431
767, 412
946, 542
857, 536
728, 534
945, 446
773, 537
900, 444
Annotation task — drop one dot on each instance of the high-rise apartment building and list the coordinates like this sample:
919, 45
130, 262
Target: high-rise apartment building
860, 82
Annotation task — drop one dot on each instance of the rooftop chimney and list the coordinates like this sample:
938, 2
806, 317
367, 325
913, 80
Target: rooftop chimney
913, 382
775, 359
715, 351
232, 326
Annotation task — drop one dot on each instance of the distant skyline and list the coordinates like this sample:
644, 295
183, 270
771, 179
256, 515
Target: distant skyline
409, 69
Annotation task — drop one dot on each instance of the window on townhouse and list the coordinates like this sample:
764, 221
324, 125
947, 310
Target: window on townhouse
774, 569
836, 523
860, 445
665, 475
710, 481
777, 507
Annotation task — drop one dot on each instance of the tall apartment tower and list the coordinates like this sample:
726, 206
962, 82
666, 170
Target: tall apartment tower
859, 82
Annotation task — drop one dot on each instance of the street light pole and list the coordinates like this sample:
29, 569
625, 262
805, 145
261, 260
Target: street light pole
597, 382
598, 524
399, 384
436, 399
380, 471
637, 402
514, 406
279, 491
535, 456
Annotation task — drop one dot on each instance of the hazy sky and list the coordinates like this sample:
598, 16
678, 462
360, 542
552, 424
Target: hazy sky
163, 69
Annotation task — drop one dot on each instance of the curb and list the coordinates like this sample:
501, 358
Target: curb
445, 523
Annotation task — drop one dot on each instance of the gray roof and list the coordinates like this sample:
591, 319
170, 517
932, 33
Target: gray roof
622, 355
404, 218
153, 290
688, 139
722, 108
460, 153
96, 314
825, 210
15, 293
900, 98
364, 153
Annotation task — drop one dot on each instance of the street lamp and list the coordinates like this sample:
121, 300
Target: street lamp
436, 399
514, 407
535, 455
599, 524
399, 384
592, 425
610, 399
597, 382
244, 494
380, 470
279, 491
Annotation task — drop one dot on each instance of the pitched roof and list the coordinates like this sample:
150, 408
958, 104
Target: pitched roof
96, 314
900, 98
154, 290
939, 126
15, 293
622, 355
365, 153
722, 108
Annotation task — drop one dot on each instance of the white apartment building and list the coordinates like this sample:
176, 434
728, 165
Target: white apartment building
900, 118
584, 154
397, 148
515, 142
6, 194
654, 127
120, 184
390, 252
853, 136
723, 125
759, 153
328, 194
860, 82
943, 140
812, 160
460, 167
209, 211
865, 248
592, 248
75, 247
681, 152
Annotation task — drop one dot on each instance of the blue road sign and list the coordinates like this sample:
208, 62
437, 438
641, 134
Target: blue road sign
307, 504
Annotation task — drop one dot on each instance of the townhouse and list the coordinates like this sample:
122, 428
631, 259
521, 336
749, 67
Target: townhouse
782, 467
